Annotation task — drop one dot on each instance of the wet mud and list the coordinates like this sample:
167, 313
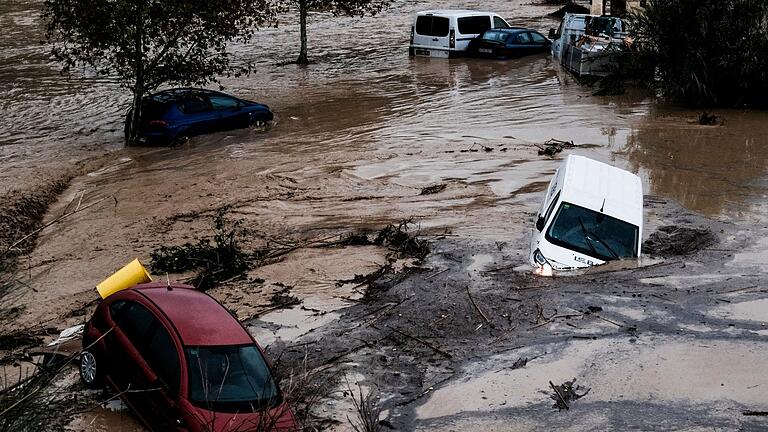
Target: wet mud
445, 346
366, 137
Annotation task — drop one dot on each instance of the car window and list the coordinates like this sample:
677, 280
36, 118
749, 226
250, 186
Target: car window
195, 103
153, 110
221, 102
474, 24
116, 309
498, 22
491, 35
230, 378
427, 25
537, 38
161, 355
523, 38
135, 321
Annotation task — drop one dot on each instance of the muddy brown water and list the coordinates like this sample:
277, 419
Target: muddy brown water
363, 94
358, 134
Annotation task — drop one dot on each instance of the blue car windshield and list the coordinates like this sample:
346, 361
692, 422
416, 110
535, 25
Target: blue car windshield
593, 233
230, 379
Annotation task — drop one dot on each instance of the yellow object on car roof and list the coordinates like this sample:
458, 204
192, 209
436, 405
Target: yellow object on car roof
133, 273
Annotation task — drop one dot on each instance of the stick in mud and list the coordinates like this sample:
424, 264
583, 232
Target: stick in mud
485, 318
559, 396
423, 342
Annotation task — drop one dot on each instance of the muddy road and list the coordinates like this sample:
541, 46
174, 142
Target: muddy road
359, 134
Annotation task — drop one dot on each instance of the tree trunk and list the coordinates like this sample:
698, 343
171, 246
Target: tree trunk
133, 121
303, 24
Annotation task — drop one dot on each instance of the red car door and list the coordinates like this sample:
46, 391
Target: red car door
122, 356
161, 353
137, 336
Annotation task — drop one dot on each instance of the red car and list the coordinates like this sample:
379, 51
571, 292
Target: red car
182, 362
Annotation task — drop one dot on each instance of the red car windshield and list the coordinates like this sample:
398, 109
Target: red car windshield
230, 379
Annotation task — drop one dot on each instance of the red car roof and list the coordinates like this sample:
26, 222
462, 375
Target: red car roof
198, 318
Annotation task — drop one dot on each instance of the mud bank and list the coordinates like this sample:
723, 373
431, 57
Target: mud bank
678, 336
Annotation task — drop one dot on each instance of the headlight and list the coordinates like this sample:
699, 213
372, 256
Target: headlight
539, 258
544, 268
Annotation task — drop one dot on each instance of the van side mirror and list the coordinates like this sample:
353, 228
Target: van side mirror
552, 34
540, 223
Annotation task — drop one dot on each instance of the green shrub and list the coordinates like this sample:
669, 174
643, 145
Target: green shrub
214, 261
704, 52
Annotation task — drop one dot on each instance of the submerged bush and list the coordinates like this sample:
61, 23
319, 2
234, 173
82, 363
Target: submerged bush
214, 261
704, 52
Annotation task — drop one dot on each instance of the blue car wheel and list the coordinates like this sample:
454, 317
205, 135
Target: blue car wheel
259, 120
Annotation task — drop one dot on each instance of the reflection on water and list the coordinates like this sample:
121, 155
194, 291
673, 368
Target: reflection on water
710, 169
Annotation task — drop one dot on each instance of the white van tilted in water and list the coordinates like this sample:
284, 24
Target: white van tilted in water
592, 213
446, 33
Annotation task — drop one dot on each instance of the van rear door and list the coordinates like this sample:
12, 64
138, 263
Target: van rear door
431, 35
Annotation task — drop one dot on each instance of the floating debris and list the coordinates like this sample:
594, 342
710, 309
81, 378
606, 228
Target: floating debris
429, 190
707, 119
397, 238
554, 146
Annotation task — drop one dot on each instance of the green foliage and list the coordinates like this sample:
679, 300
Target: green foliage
213, 261
149, 43
704, 52
168, 41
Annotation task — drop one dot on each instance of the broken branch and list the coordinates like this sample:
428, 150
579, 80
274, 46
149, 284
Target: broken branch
559, 396
485, 318
423, 342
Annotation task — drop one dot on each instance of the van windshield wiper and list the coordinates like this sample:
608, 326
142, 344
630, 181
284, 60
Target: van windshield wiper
586, 237
615, 255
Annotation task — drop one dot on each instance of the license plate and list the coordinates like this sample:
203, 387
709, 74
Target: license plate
422, 52
485, 50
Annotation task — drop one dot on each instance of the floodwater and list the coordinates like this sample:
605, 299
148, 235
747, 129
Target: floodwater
357, 135
365, 96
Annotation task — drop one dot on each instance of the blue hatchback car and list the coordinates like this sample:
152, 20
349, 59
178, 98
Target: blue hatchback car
508, 43
172, 115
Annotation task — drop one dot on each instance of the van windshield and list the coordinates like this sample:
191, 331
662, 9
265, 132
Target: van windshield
230, 378
593, 233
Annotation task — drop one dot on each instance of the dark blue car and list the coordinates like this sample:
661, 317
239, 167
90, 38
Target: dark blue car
508, 43
172, 115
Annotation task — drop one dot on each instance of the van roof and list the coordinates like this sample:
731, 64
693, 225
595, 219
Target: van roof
455, 12
595, 185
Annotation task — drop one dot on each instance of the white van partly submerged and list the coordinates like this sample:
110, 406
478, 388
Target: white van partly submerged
446, 33
592, 213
